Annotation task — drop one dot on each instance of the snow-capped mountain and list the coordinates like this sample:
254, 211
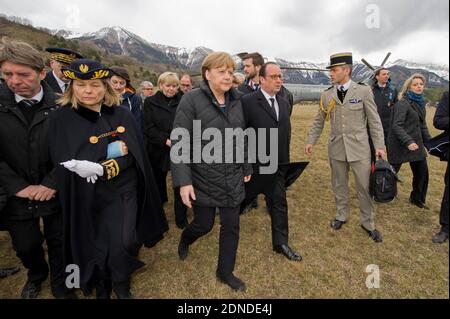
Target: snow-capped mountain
440, 70
119, 41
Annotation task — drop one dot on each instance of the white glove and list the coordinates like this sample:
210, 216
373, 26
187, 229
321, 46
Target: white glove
84, 169
92, 179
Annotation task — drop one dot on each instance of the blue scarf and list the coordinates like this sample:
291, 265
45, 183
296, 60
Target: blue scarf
418, 98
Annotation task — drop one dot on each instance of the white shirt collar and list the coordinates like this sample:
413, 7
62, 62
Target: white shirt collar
38, 97
267, 96
346, 85
61, 83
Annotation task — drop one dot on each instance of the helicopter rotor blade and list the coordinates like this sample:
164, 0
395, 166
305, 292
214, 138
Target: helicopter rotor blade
368, 64
386, 59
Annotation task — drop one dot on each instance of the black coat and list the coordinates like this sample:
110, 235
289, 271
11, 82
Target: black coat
440, 120
385, 99
52, 83
77, 195
441, 116
408, 126
24, 156
215, 184
159, 114
258, 114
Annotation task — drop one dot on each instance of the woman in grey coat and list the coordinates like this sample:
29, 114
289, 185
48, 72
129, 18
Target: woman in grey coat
409, 133
206, 185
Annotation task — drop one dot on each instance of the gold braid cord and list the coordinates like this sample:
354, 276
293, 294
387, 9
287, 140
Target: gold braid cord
327, 111
112, 169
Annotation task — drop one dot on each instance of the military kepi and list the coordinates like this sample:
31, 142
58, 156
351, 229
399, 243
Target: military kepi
340, 59
84, 69
62, 55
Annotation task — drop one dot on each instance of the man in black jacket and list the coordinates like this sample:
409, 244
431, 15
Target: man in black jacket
385, 95
441, 123
268, 110
25, 170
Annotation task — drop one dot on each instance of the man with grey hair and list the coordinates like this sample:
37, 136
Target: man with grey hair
146, 89
185, 83
352, 112
26, 172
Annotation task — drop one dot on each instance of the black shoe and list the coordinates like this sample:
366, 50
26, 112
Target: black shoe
440, 237
6, 272
183, 250
374, 234
231, 280
288, 252
31, 290
419, 204
337, 224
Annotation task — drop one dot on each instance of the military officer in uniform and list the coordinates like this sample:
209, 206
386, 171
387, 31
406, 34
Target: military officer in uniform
353, 115
59, 59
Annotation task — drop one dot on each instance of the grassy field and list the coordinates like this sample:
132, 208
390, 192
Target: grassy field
334, 264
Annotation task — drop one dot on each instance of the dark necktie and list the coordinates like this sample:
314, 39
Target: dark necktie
29, 103
342, 88
65, 87
272, 102
255, 87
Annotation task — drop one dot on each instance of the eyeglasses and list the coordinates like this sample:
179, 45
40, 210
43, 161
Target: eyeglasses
276, 76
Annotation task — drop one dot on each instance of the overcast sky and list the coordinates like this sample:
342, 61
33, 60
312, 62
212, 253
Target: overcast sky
296, 30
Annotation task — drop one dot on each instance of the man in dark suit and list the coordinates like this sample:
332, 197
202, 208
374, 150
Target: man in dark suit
59, 59
26, 172
267, 109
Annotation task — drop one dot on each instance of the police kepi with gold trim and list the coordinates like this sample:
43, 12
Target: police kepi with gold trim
62, 55
84, 69
340, 59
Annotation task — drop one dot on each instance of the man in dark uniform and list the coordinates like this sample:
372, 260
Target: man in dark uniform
385, 95
266, 109
25, 170
59, 59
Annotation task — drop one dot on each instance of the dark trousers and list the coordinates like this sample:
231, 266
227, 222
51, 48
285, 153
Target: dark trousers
420, 180
278, 208
229, 233
160, 179
276, 203
179, 208
444, 206
27, 240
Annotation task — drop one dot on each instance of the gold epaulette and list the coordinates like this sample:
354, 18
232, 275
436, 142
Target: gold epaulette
327, 111
112, 169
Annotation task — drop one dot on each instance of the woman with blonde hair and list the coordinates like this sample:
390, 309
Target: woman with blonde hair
205, 185
159, 114
105, 183
408, 136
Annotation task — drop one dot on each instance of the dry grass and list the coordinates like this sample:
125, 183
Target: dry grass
334, 262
